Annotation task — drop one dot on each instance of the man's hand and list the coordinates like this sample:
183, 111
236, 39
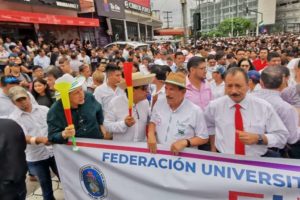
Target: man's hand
129, 121
248, 138
177, 146
152, 144
42, 140
68, 132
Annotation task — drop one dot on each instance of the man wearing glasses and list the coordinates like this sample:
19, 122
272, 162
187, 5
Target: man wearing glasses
117, 120
198, 90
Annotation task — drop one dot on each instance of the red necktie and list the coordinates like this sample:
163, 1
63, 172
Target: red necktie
239, 146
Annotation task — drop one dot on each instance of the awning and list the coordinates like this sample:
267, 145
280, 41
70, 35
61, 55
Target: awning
41, 18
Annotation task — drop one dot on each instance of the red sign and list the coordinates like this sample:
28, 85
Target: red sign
145, 3
40, 18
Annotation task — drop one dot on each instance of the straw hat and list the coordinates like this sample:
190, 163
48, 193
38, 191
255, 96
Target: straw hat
178, 79
138, 79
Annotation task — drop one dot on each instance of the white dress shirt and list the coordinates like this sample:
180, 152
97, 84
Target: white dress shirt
185, 122
258, 117
217, 90
34, 124
285, 111
115, 124
104, 94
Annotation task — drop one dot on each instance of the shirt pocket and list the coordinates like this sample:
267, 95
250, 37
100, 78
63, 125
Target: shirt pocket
255, 127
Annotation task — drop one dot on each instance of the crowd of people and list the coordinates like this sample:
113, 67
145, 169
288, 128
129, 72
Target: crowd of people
228, 95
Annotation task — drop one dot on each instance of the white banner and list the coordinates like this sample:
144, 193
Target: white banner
126, 171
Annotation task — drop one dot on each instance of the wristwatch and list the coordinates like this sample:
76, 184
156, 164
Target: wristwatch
260, 140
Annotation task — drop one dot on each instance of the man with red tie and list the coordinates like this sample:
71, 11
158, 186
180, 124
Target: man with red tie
242, 124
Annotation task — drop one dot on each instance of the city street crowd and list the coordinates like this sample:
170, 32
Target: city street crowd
227, 95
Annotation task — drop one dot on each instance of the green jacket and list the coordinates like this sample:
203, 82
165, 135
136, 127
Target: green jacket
87, 119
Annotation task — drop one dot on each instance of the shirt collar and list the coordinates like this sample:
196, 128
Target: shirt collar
269, 92
179, 107
244, 103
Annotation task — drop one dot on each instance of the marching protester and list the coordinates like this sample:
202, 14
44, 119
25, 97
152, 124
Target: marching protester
242, 124
105, 92
198, 90
87, 115
33, 120
176, 121
117, 120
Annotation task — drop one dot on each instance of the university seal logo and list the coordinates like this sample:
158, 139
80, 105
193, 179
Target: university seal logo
93, 182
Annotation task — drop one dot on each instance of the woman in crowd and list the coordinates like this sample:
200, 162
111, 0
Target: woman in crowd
41, 93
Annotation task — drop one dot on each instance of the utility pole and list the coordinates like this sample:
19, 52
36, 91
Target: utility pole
168, 17
184, 17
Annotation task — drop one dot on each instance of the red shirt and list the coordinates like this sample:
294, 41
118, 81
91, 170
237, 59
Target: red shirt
259, 64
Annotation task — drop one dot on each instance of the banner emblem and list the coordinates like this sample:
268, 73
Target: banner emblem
93, 182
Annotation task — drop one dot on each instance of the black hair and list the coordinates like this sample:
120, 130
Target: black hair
112, 67
194, 62
249, 61
272, 77
178, 54
47, 90
273, 54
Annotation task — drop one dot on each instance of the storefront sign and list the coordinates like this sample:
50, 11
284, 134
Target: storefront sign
41, 18
111, 8
111, 170
68, 4
142, 6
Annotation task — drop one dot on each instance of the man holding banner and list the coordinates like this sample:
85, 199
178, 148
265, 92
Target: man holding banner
175, 120
117, 119
242, 124
86, 112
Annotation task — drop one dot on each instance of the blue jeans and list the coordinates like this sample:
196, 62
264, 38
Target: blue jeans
41, 169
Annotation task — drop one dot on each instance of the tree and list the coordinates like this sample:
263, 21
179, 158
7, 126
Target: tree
240, 26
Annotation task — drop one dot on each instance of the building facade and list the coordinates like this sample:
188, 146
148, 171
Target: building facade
288, 15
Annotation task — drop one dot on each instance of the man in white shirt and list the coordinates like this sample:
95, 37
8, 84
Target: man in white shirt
41, 59
175, 120
108, 90
217, 86
82, 57
117, 120
33, 120
272, 83
242, 124
7, 107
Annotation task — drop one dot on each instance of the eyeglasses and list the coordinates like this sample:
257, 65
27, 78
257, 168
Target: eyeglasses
245, 65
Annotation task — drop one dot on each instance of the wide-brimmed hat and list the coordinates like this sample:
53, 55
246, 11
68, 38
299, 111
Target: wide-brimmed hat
75, 82
177, 78
17, 92
138, 79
